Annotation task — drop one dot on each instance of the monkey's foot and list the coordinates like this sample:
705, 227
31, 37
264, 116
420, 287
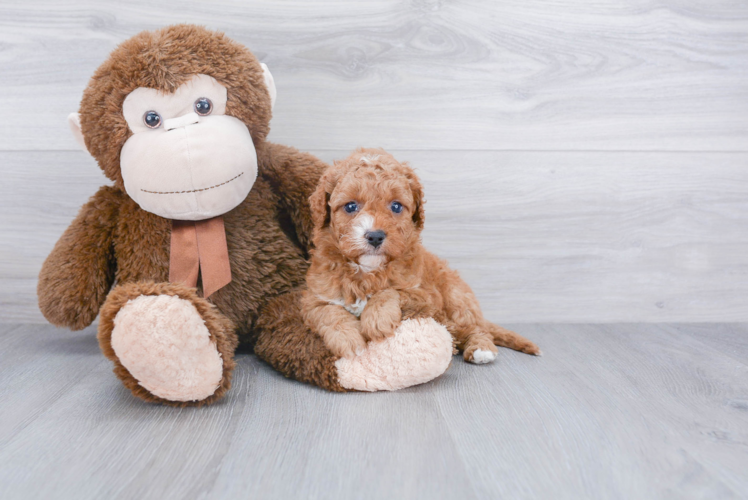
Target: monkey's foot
168, 345
420, 351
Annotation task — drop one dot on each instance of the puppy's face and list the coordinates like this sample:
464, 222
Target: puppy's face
370, 207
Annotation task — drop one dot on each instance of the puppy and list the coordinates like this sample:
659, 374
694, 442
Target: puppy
369, 270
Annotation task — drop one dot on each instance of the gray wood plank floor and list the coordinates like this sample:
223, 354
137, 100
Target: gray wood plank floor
610, 411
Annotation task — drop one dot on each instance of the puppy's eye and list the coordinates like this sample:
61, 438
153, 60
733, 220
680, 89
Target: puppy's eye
152, 119
203, 106
351, 207
396, 207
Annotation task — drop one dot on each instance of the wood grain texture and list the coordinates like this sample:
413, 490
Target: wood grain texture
583, 162
626, 412
732, 341
609, 411
522, 118
564, 237
426, 74
34, 375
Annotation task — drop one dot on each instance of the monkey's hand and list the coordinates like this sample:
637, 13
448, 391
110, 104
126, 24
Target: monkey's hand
77, 275
293, 175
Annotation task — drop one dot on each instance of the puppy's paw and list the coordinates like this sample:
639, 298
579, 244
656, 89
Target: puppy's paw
417, 314
480, 352
375, 327
382, 315
420, 351
345, 343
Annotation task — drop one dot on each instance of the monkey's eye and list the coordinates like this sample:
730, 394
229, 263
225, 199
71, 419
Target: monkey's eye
152, 119
396, 207
351, 207
203, 106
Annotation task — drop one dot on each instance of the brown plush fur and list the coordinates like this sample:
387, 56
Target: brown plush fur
292, 349
400, 279
113, 239
163, 60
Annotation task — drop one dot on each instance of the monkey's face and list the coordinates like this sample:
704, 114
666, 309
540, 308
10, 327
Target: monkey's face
186, 158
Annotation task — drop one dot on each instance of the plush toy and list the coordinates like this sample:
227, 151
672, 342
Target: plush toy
201, 242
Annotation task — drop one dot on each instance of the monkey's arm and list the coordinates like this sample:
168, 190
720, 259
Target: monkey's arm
77, 275
293, 176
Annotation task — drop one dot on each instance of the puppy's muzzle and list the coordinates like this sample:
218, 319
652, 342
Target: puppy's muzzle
375, 238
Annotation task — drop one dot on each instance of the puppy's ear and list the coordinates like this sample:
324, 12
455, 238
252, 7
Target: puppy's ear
320, 199
419, 215
320, 204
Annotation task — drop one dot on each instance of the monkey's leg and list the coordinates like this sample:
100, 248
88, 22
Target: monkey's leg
419, 351
168, 345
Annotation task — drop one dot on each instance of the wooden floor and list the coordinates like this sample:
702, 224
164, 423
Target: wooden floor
609, 411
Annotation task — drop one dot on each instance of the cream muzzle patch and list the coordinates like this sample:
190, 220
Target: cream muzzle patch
193, 164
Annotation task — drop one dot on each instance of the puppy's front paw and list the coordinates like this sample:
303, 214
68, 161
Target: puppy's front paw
382, 315
379, 327
345, 343
480, 352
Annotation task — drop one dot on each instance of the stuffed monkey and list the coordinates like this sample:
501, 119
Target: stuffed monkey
201, 243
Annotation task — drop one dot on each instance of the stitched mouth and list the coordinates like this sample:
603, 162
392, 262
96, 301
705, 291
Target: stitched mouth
194, 190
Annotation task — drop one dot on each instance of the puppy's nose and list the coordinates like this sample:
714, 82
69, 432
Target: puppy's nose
375, 238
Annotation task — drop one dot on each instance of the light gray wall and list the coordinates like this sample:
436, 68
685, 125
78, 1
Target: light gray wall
583, 161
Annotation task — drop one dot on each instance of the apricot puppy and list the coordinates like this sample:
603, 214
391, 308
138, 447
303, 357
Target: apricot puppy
369, 270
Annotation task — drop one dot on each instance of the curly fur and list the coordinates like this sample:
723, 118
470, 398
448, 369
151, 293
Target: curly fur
399, 279
292, 349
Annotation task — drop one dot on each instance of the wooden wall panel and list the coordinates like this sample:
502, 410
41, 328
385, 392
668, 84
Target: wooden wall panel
509, 75
568, 237
584, 161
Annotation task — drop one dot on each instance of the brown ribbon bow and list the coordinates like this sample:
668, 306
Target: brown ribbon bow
200, 246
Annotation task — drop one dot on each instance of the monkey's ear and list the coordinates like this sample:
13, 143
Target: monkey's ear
269, 83
74, 122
